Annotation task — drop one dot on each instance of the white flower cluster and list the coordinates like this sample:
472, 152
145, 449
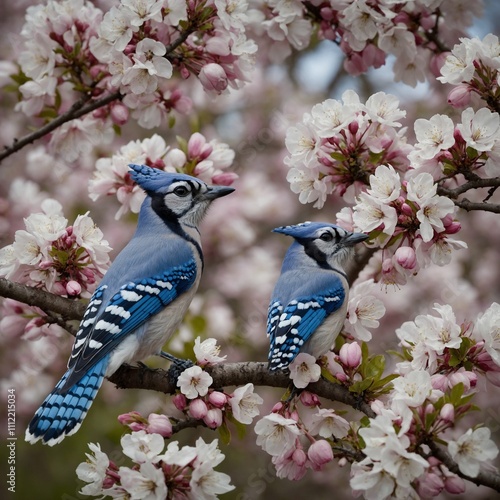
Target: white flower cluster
185, 470
65, 260
202, 158
339, 145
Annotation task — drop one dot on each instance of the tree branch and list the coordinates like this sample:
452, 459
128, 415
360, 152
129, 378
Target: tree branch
470, 205
67, 308
80, 107
77, 110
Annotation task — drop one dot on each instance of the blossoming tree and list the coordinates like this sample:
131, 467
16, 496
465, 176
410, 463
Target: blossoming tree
213, 89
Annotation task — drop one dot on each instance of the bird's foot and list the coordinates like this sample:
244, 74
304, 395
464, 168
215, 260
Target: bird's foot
177, 366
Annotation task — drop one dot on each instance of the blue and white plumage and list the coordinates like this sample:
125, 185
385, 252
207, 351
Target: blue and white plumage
139, 303
309, 302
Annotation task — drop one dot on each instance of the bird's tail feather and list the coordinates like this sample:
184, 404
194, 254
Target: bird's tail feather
62, 412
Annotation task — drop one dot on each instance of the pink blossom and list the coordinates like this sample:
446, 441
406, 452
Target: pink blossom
406, 257
213, 418
198, 408
159, 424
213, 78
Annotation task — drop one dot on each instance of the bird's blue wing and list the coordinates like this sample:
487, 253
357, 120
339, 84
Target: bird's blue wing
292, 324
104, 326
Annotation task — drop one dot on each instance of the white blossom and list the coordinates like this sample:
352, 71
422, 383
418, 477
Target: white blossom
326, 423
147, 483
93, 471
276, 434
471, 449
142, 447
479, 129
194, 382
487, 328
244, 404
304, 370
207, 352
434, 135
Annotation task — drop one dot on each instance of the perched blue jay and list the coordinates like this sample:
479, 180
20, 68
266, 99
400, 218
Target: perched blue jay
139, 303
309, 303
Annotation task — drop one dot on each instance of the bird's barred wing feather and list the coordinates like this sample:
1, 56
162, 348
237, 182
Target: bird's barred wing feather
290, 326
104, 326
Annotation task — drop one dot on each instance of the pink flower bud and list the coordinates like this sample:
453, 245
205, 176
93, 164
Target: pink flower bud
353, 127
73, 288
299, 457
58, 288
447, 413
439, 382
350, 355
213, 78
320, 453
131, 417
159, 424
217, 399
197, 145
224, 179
406, 257
406, 209
180, 401
454, 484
213, 418
45, 264
460, 96
430, 485
198, 408
309, 399
119, 114
277, 407
453, 228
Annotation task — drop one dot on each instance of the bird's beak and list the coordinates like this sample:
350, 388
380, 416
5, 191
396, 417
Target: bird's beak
217, 192
355, 238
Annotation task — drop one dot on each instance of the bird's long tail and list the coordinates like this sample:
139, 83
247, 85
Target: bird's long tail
63, 410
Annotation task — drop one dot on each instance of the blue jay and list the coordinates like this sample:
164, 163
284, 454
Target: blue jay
309, 303
139, 303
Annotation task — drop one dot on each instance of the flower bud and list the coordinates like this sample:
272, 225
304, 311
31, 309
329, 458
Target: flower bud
430, 485
299, 457
447, 413
213, 418
309, 399
73, 288
224, 179
454, 484
217, 399
460, 96
406, 257
159, 424
320, 453
439, 382
176, 158
453, 228
119, 114
350, 355
180, 401
213, 77
198, 408
406, 209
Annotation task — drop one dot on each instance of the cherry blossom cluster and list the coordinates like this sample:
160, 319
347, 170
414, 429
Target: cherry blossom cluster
470, 148
339, 145
472, 68
408, 220
174, 472
196, 156
299, 441
433, 391
215, 408
49, 254
415, 34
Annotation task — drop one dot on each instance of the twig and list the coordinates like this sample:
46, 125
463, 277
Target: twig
488, 479
473, 184
469, 206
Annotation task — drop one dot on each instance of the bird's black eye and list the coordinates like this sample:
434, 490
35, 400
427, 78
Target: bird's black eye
326, 236
181, 191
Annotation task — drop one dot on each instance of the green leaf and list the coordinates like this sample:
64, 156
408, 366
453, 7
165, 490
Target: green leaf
375, 367
328, 376
338, 157
225, 433
456, 394
182, 143
361, 386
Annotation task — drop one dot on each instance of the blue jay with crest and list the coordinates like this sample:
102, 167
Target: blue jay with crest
309, 302
139, 303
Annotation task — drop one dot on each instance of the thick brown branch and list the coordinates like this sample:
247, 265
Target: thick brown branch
463, 188
67, 308
234, 374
